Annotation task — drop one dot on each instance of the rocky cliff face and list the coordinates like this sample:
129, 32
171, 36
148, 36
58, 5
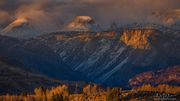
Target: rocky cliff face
138, 38
113, 58
170, 75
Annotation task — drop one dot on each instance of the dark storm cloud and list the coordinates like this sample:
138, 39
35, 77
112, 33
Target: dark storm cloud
54, 13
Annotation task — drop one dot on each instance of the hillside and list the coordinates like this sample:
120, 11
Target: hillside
15, 80
170, 75
37, 57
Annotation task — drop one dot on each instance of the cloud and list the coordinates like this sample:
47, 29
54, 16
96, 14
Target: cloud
4, 17
128, 11
121, 11
36, 12
52, 14
36, 15
168, 17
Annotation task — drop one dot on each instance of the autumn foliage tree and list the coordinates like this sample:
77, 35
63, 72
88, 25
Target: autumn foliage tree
59, 93
163, 88
90, 89
114, 94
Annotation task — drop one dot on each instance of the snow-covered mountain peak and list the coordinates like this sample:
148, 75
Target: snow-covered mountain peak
19, 22
20, 28
83, 19
82, 23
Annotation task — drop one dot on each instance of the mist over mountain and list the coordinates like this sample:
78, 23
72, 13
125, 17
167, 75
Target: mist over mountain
51, 15
169, 17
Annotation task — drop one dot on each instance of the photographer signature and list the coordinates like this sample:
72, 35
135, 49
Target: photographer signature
164, 96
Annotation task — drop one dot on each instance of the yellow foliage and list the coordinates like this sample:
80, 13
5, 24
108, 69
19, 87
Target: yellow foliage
90, 89
163, 88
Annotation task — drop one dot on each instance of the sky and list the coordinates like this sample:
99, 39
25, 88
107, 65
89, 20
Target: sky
53, 14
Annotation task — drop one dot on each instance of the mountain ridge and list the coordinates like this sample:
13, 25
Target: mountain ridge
104, 57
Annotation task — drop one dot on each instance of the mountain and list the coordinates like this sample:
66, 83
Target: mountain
113, 57
169, 75
36, 57
107, 57
20, 28
113, 27
82, 23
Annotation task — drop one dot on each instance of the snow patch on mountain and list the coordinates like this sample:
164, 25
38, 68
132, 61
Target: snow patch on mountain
93, 58
115, 69
114, 59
